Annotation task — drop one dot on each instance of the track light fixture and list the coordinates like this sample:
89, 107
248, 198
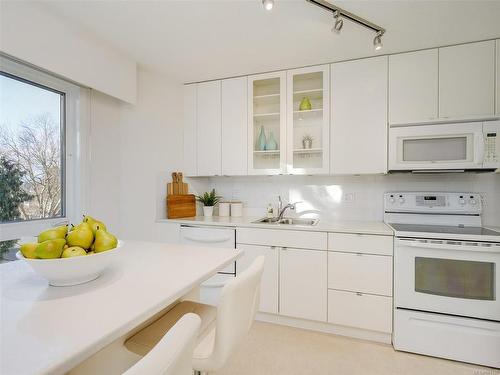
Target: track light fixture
339, 14
377, 41
268, 4
339, 22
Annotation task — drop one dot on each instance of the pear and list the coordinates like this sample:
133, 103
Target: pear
104, 241
94, 223
83, 224
90, 252
80, 236
73, 251
50, 249
52, 234
28, 249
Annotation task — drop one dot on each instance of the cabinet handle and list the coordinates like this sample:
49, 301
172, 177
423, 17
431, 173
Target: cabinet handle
359, 294
359, 254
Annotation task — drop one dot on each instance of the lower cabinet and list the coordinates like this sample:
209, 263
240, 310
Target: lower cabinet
303, 283
269, 283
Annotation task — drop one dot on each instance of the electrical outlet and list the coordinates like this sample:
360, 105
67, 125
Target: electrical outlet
348, 197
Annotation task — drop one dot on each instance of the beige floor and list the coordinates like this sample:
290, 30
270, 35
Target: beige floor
274, 350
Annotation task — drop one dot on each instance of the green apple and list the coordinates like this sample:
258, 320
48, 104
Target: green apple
50, 249
28, 249
73, 251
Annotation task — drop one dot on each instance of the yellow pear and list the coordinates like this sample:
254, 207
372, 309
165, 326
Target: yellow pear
54, 233
104, 241
81, 236
50, 249
94, 223
73, 251
28, 250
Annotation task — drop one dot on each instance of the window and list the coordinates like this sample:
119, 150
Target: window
41, 138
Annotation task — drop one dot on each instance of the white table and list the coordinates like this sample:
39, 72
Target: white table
49, 330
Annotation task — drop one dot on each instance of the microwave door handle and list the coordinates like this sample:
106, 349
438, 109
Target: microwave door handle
445, 246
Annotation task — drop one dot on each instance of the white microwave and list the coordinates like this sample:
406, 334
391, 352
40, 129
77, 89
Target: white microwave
456, 147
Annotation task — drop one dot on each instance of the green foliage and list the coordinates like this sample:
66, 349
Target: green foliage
209, 199
11, 195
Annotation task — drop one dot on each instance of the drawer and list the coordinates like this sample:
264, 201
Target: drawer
360, 273
282, 238
360, 243
363, 311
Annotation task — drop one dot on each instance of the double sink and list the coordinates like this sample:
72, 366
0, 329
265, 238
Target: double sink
287, 221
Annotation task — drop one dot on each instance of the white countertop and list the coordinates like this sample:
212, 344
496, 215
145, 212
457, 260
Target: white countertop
49, 330
342, 226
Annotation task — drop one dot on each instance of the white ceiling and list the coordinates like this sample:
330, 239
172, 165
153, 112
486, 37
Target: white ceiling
197, 40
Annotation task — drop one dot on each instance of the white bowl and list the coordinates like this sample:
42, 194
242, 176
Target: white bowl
74, 270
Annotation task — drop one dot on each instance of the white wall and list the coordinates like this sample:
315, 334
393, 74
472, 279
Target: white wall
31, 33
327, 197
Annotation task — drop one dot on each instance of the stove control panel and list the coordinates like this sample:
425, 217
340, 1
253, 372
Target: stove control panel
433, 202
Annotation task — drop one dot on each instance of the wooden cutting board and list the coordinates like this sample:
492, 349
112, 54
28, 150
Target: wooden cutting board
181, 206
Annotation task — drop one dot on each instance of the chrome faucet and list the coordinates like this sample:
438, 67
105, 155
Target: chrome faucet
282, 210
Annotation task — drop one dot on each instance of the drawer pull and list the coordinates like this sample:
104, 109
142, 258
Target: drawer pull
359, 254
359, 294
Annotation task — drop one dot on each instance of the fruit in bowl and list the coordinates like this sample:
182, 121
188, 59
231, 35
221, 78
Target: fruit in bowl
71, 257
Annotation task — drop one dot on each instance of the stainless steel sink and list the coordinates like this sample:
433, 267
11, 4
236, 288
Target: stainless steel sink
287, 221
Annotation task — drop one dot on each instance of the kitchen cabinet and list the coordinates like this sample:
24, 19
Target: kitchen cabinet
466, 80
283, 238
360, 243
308, 120
208, 132
358, 129
413, 87
234, 126
267, 124
189, 136
497, 74
269, 283
303, 283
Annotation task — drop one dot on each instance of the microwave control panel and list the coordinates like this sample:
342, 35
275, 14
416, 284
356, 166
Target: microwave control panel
492, 145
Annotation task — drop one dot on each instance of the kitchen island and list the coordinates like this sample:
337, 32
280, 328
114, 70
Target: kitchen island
50, 330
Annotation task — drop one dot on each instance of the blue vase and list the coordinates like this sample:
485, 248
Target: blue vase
271, 142
261, 141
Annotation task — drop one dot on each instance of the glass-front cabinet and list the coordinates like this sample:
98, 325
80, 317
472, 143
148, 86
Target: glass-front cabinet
308, 120
267, 123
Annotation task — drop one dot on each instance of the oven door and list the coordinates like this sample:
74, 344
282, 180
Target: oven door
450, 277
430, 147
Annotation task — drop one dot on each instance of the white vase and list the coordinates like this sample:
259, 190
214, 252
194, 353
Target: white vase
208, 211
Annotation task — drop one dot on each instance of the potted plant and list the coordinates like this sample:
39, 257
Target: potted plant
307, 141
209, 200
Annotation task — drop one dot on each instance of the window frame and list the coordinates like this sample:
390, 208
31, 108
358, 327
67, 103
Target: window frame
72, 143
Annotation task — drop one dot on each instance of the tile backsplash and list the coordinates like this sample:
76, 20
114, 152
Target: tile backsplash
349, 197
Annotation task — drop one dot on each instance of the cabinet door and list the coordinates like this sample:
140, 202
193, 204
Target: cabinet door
359, 117
269, 283
413, 87
308, 120
498, 77
209, 128
267, 124
189, 140
466, 80
234, 126
303, 283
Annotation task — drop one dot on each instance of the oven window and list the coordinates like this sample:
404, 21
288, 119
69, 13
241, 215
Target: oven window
455, 278
435, 149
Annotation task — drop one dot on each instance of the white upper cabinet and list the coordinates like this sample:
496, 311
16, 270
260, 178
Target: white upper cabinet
267, 124
413, 87
498, 77
208, 135
189, 139
358, 130
467, 80
308, 120
234, 126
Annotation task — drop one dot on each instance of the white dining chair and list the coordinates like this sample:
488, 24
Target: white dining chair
173, 355
222, 329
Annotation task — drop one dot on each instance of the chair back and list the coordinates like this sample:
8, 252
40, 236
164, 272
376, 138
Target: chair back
173, 355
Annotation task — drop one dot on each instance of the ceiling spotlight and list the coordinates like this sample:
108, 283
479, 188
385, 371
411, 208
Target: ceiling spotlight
268, 4
377, 41
339, 22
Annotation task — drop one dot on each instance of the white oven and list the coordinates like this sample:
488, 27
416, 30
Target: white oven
460, 146
448, 277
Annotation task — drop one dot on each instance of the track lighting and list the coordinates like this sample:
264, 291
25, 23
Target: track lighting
339, 22
377, 41
268, 4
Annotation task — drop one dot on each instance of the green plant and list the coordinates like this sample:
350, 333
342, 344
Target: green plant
208, 199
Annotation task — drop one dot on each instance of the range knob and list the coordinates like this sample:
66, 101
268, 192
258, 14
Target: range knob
473, 202
392, 200
461, 201
401, 200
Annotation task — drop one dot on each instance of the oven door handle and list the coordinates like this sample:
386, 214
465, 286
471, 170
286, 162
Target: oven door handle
445, 246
